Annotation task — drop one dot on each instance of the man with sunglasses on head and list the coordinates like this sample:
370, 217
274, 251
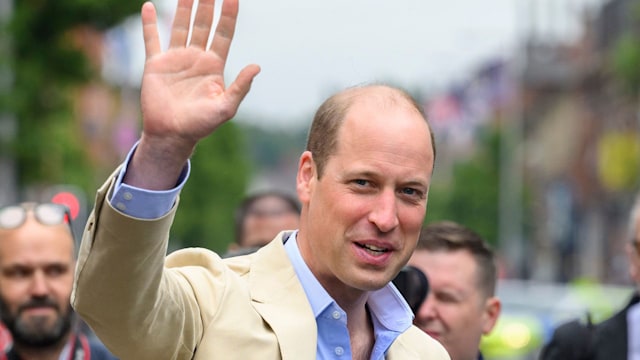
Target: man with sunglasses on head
37, 262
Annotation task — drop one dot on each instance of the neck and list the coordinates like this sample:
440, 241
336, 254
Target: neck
359, 324
361, 334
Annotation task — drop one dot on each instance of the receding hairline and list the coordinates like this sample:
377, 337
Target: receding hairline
371, 92
329, 118
380, 95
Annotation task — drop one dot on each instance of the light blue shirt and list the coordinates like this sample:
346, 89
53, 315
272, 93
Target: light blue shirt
390, 313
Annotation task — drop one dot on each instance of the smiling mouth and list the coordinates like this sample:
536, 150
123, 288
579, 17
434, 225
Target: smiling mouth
373, 249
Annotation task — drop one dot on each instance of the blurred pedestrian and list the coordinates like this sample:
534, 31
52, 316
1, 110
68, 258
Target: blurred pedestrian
37, 261
618, 337
461, 305
260, 217
321, 292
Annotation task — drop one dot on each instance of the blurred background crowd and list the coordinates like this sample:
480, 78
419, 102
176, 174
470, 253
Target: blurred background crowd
538, 145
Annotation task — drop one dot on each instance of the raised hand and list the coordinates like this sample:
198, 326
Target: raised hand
184, 97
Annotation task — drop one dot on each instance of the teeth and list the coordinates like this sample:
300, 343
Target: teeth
374, 248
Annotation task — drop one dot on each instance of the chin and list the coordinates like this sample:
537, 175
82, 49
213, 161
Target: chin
372, 282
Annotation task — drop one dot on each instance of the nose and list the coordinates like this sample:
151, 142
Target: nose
39, 284
385, 212
427, 310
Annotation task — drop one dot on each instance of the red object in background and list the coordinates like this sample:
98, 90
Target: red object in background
5, 338
68, 199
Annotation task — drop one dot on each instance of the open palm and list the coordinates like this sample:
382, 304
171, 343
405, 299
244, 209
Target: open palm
183, 96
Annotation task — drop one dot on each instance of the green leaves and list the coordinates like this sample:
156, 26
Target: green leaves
45, 47
626, 62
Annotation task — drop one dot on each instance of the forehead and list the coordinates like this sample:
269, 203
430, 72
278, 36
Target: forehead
269, 201
393, 128
34, 242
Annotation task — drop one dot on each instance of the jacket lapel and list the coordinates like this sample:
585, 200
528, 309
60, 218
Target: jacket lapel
280, 299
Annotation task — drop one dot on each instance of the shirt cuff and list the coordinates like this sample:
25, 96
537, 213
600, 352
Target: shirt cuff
143, 203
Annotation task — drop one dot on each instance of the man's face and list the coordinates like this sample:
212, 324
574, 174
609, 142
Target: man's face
362, 218
455, 312
266, 217
36, 277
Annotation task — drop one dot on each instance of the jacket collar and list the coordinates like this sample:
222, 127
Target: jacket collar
278, 296
280, 299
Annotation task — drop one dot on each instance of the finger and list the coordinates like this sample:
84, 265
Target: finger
181, 22
225, 29
240, 87
150, 29
202, 23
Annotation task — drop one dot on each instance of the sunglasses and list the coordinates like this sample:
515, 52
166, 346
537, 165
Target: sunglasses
13, 216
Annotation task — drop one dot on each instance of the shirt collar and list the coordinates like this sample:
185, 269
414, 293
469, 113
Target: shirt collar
386, 304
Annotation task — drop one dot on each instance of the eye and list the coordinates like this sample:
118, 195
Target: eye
447, 298
17, 272
409, 191
56, 270
361, 182
362, 186
413, 193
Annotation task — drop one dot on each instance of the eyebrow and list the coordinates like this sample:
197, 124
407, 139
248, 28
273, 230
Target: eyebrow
375, 174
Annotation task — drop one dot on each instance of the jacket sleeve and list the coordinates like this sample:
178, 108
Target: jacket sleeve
570, 341
137, 307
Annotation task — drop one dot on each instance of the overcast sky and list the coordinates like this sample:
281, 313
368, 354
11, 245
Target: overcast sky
309, 48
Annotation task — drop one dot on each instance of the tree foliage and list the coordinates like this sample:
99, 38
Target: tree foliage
472, 197
216, 185
48, 66
45, 65
268, 147
625, 55
626, 62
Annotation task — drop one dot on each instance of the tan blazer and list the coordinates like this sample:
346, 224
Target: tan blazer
197, 305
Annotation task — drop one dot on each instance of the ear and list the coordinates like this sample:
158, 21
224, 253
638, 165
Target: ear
306, 177
634, 263
492, 309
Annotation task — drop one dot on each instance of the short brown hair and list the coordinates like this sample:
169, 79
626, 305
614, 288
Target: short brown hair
323, 133
449, 236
